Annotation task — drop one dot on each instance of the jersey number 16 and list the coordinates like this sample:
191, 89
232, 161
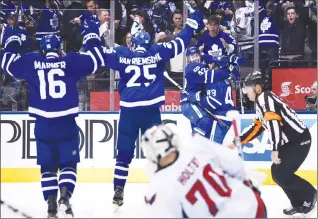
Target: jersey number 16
53, 84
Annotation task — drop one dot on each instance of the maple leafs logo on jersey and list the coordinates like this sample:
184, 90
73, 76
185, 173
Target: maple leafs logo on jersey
151, 200
215, 51
265, 25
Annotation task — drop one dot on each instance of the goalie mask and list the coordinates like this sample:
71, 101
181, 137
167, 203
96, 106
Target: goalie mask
159, 141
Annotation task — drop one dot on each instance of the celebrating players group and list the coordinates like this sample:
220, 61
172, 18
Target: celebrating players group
192, 176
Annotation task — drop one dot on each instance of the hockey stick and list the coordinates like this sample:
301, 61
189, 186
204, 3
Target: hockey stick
236, 124
256, 177
15, 210
186, 93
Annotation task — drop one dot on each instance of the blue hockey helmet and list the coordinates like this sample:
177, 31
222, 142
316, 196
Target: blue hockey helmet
193, 54
141, 39
222, 61
50, 43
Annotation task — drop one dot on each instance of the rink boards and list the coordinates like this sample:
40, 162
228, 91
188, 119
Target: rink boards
98, 142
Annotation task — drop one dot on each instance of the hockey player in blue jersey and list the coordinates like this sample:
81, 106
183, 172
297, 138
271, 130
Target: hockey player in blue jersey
210, 89
141, 89
53, 101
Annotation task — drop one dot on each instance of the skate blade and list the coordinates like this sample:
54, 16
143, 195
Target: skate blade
117, 208
63, 209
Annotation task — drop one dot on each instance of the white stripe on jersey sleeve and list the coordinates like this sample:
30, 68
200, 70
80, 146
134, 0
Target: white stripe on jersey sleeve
182, 44
175, 48
208, 100
94, 60
99, 56
7, 66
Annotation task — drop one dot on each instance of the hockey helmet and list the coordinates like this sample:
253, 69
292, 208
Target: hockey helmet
252, 79
50, 43
193, 54
159, 141
141, 39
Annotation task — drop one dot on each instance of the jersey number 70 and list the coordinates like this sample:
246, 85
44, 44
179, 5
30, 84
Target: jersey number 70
223, 191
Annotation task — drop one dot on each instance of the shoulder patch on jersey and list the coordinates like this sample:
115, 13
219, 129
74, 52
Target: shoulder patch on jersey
151, 200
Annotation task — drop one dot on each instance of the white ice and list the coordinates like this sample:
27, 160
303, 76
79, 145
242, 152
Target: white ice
94, 200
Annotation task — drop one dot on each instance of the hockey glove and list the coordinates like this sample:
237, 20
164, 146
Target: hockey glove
90, 33
195, 21
194, 98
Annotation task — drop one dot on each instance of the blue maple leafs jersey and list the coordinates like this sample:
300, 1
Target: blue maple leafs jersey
218, 97
217, 93
7, 33
197, 74
268, 33
47, 24
51, 79
213, 45
141, 83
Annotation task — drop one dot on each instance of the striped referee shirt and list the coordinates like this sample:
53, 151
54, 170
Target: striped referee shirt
278, 118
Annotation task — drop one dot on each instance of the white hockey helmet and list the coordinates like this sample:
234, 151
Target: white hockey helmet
159, 141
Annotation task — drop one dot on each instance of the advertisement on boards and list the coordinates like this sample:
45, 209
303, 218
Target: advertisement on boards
293, 84
100, 101
99, 134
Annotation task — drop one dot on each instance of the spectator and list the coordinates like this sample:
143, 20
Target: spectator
91, 13
104, 31
127, 41
224, 24
268, 39
312, 28
242, 30
292, 32
177, 25
72, 32
47, 21
215, 42
162, 11
145, 21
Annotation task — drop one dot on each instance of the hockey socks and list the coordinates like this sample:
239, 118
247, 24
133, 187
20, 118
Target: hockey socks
49, 183
120, 174
68, 175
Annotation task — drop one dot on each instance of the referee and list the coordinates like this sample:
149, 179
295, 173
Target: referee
290, 139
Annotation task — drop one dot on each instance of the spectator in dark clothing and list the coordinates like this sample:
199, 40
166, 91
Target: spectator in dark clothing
292, 31
177, 25
145, 21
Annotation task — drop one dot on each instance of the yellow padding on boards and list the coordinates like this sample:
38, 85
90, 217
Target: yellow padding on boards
105, 175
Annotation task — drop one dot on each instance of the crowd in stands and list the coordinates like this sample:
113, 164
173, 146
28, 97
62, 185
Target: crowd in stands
287, 31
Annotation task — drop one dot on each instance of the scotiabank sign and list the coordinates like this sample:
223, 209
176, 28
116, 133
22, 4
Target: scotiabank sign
100, 101
293, 84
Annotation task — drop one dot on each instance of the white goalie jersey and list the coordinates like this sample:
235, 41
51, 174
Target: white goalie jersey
205, 181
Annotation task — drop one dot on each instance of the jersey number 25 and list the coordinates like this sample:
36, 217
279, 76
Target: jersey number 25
223, 191
138, 70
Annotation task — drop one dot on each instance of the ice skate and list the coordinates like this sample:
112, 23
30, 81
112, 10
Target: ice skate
118, 199
310, 208
52, 207
64, 203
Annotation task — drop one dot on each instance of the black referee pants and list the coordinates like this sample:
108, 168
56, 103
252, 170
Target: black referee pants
292, 155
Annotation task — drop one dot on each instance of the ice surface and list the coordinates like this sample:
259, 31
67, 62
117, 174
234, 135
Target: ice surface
95, 200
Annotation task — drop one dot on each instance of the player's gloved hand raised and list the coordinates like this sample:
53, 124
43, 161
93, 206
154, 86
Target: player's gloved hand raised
195, 21
90, 33
13, 40
194, 98
237, 60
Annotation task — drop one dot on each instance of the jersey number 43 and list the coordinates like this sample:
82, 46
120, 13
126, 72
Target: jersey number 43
198, 187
